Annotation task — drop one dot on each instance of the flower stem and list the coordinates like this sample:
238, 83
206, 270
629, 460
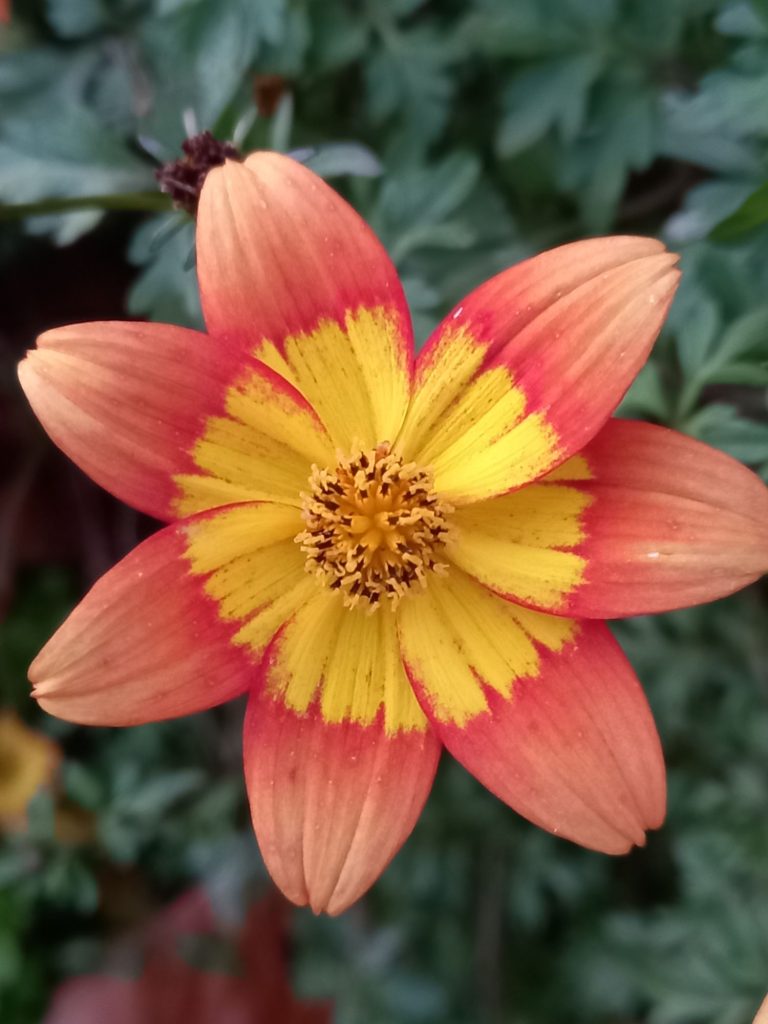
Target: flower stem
137, 202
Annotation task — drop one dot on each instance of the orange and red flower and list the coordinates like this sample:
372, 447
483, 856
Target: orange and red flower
255, 989
389, 555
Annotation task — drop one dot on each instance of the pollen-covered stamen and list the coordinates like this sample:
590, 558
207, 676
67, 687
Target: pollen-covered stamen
374, 527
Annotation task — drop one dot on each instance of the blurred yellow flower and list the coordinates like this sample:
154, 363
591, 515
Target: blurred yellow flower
28, 760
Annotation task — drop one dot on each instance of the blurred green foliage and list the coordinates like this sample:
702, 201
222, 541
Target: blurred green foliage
470, 135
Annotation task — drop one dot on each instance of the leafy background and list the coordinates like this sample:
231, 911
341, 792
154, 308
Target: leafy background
470, 135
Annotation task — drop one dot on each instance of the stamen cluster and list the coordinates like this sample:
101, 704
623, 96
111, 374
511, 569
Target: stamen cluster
374, 527
183, 179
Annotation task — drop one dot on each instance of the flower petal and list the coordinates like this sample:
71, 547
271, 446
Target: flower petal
762, 1013
95, 998
168, 419
291, 274
645, 519
545, 711
179, 625
528, 368
339, 757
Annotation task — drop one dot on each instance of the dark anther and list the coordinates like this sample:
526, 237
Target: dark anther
183, 179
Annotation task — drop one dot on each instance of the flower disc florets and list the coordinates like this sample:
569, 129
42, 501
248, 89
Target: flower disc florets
375, 527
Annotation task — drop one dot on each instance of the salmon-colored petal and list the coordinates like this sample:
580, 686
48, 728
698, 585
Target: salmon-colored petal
339, 757
264, 952
530, 365
291, 274
168, 419
762, 1013
546, 712
645, 519
96, 998
180, 624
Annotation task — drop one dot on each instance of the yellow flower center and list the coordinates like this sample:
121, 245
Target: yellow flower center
374, 527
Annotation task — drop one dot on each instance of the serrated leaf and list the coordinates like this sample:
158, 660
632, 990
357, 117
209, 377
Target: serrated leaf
742, 19
82, 785
731, 101
409, 76
337, 39
166, 290
647, 397
333, 159
621, 137
690, 132
741, 374
746, 334
703, 207
721, 425
155, 796
71, 19
526, 28
429, 193
26, 71
552, 94
698, 322
198, 56
72, 155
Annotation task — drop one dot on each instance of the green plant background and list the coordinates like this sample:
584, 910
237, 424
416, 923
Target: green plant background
470, 135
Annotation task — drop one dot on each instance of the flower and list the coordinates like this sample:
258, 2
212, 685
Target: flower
762, 1013
170, 990
28, 761
389, 555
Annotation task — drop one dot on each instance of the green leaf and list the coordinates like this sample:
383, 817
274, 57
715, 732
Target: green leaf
621, 137
744, 19
334, 159
553, 94
647, 398
198, 55
166, 290
753, 213
409, 76
337, 39
702, 128
72, 157
698, 320
155, 796
526, 28
721, 425
703, 207
429, 194
71, 19
82, 785
747, 334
